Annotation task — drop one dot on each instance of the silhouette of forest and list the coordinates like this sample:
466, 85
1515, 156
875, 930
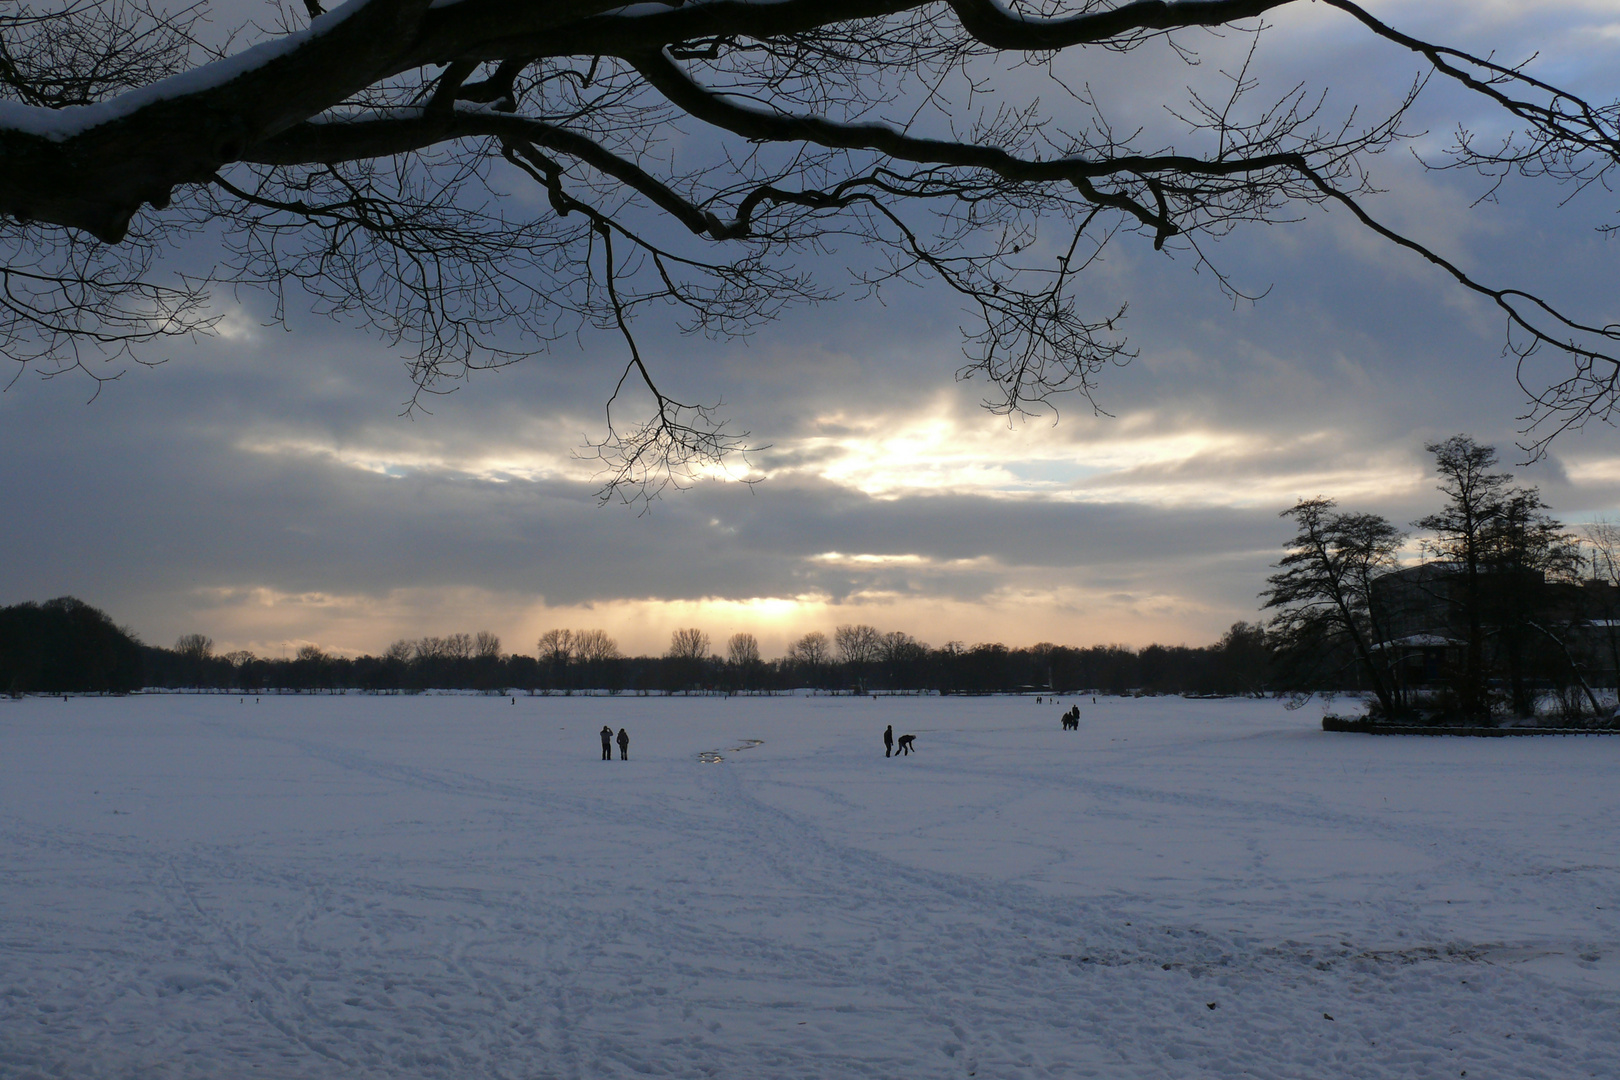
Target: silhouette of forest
68, 646
65, 645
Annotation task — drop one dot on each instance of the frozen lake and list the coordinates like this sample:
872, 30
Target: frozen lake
431, 887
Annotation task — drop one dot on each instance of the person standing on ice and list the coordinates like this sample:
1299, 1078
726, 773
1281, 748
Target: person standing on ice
624, 745
888, 740
607, 743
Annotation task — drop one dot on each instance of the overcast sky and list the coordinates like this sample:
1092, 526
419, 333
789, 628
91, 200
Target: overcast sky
261, 487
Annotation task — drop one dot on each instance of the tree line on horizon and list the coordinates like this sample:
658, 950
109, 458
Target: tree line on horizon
855, 658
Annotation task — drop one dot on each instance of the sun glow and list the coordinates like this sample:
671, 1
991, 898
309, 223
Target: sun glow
1142, 458
274, 623
942, 449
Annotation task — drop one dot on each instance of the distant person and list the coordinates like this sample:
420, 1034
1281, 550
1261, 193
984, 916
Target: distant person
607, 743
905, 743
624, 745
1038, 701
888, 740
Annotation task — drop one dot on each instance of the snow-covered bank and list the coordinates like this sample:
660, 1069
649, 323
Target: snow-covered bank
450, 887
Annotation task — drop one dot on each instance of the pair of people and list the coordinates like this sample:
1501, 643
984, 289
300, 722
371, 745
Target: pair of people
1071, 719
888, 742
607, 744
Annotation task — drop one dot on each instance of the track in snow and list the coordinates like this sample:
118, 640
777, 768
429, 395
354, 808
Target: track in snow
429, 887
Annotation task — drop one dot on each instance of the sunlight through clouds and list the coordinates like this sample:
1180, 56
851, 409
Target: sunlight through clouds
1141, 458
1145, 457
493, 465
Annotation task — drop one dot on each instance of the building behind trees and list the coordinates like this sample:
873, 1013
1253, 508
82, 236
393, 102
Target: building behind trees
1504, 611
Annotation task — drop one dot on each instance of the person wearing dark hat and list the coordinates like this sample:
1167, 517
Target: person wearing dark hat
624, 745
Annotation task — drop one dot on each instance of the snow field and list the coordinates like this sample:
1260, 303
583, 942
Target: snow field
458, 886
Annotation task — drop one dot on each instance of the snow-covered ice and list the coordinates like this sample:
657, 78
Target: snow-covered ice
458, 887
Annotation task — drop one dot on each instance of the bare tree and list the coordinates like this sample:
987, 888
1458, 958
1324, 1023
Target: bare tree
688, 644
1496, 545
1526, 548
1323, 594
400, 652
194, 646
594, 646
742, 650
859, 644
458, 646
364, 165
487, 646
1479, 505
1603, 541
1603, 538
812, 650
899, 646
557, 647
1476, 498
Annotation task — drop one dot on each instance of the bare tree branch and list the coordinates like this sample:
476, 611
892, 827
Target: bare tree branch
366, 165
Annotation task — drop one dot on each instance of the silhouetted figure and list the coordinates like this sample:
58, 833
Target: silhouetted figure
888, 740
1071, 719
1038, 701
624, 745
905, 743
607, 743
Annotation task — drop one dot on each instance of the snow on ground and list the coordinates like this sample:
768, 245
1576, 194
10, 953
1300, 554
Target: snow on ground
434, 887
